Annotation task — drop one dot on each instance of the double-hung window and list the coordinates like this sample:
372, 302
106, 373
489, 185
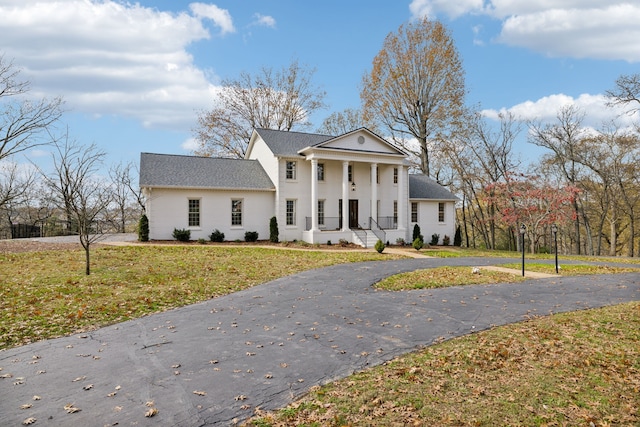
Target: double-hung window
395, 212
291, 170
194, 212
236, 212
320, 171
441, 212
291, 212
395, 175
414, 212
320, 212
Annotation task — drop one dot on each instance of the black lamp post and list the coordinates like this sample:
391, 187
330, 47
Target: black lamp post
554, 230
523, 229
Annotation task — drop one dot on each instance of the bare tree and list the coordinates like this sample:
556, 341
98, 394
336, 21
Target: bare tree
281, 100
482, 157
22, 121
564, 139
626, 92
14, 182
341, 122
79, 191
123, 194
416, 87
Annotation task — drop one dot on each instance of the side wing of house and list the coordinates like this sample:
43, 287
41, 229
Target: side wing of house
203, 194
432, 207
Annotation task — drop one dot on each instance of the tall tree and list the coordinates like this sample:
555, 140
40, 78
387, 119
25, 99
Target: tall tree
481, 156
22, 121
127, 199
281, 100
416, 88
79, 191
564, 139
341, 122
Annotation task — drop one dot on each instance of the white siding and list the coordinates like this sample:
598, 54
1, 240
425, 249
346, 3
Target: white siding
428, 220
168, 209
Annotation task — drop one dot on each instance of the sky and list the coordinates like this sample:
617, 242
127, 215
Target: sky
134, 75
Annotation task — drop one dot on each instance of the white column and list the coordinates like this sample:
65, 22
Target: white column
402, 201
374, 192
314, 194
345, 196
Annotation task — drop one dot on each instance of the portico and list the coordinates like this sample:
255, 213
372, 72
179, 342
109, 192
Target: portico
372, 186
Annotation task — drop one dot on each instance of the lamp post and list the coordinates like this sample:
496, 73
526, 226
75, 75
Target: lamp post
523, 229
554, 230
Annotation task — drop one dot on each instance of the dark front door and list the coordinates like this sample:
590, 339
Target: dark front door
353, 214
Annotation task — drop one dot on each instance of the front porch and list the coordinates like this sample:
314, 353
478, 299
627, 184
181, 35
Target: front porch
330, 230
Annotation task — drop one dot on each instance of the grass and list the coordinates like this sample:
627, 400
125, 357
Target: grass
45, 294
572, 369
441, 277
571, 269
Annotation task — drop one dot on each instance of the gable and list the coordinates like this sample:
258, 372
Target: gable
166, 170
361, 140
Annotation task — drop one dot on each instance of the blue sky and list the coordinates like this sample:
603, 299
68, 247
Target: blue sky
134, 74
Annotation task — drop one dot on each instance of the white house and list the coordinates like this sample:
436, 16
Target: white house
302, 179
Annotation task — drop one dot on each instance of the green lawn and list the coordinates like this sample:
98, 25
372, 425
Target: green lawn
46, 294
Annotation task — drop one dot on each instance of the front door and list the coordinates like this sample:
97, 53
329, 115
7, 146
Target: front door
353, 214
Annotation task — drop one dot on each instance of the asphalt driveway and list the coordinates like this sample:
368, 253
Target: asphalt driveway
214, 363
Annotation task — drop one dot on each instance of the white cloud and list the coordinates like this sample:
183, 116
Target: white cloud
430, 8
561, 28
190, 145
265, 21
112, 58
220, 17
546, 110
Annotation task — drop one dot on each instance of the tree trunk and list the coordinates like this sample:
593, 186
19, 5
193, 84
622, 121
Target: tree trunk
87, 269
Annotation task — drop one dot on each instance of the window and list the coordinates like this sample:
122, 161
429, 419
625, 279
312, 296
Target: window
291, 170
440, 212
320, 171
395, 175
377, 175
194, 212
291, 212
320, 212
395, 211
414, 212
350, 173
236, 212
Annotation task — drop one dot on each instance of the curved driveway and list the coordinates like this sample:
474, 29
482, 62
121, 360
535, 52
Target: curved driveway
263, 346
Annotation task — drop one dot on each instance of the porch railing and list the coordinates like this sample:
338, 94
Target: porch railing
375, 228
387, 222
327, 223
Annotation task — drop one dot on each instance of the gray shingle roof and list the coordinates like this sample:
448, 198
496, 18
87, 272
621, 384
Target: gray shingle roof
423, 187
166, 170
283, 143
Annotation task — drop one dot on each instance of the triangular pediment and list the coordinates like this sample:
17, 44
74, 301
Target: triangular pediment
362, 140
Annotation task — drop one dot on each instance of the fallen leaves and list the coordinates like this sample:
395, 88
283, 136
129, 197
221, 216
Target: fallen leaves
71, 409
151, 412
29, 421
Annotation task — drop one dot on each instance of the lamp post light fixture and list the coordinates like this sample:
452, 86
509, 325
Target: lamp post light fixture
523, 229
554, 230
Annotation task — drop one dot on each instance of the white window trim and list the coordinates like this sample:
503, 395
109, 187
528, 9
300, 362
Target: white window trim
295, 213
295, 170
199, 226
235, 226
